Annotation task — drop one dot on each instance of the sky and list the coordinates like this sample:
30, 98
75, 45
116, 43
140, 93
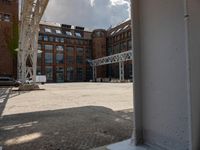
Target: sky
91, 14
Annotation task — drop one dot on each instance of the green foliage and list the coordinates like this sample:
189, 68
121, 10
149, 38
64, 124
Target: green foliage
13, 43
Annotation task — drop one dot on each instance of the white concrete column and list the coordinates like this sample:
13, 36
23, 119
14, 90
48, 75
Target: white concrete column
166, 43
94, 70
121, 71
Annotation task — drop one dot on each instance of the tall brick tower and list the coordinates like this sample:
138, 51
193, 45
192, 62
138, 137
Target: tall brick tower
99, 49
8, 37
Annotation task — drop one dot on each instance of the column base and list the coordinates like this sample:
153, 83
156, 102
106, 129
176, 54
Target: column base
126, 145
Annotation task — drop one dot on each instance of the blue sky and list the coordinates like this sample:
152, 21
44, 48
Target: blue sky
88, 13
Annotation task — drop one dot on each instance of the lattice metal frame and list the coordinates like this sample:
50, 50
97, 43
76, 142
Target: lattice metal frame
31, 14
116, 58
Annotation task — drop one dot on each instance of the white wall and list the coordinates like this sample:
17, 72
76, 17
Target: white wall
162, 94
194, 53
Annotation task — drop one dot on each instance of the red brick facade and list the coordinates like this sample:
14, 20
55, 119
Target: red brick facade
8, 19
99, 49
65, 50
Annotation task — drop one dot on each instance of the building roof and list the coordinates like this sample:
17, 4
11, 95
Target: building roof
125, 25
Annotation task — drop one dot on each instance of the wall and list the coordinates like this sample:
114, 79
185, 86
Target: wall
161, 92
194, 60
8, 62
99, 49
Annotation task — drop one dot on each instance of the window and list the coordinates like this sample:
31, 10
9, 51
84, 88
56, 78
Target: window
60, 48
62, 40
40, 37
59, 58
110, 51
123, 46
129, 45
98, 34
68, 33
129, 34
49, 73
118, 38
48, 47
77, 34
79, 51
59, 74
70, 59
125, 27
39, 59
39, 47
6, 1
88, 52
1, 17
6, 17
89, 74
45, 38
48, 58
118, 30
79, 59
112, 32
80, 42
58, 32
39, 70
70, 51
51, 39
86, 42
57, 39
116, 49
70, 41
47, 30
79, 72
70, 73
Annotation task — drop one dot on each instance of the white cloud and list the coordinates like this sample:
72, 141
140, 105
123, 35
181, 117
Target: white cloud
88, 13
119, 2
92, 2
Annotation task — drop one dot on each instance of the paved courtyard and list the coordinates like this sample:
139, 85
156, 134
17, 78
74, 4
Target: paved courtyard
68, 116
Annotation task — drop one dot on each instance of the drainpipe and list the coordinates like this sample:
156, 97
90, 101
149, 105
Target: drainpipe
187, 21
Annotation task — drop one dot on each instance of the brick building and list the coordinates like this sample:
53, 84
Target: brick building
8, 37
119, 40
66, 49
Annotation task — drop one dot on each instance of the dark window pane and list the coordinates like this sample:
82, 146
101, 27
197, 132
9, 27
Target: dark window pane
48, 58
49, 73
79, 72
70, 59
70, 73
79, 51
59, 74
48, 47
59, 58
70, 51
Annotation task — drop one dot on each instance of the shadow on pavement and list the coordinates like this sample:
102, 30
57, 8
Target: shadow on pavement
80, 128
5, 94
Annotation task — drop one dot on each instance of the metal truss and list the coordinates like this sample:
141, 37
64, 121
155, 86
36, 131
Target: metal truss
116, 58
31, 14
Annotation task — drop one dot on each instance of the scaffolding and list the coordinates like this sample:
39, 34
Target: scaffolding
31, 14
